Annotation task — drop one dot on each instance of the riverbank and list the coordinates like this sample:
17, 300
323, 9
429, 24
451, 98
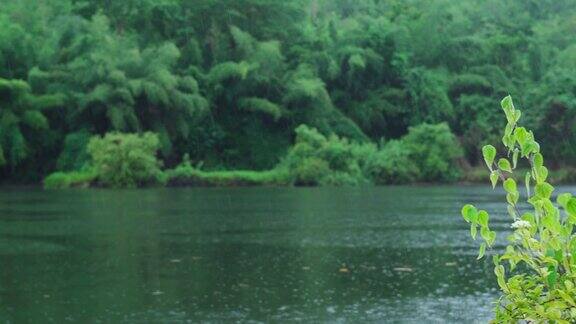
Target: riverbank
187, 176
181, 176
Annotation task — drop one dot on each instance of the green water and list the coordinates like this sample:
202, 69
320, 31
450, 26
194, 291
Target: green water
386, 254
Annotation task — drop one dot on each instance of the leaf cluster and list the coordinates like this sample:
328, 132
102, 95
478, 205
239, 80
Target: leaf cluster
536, 273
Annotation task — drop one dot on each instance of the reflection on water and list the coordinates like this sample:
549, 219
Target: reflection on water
387, 254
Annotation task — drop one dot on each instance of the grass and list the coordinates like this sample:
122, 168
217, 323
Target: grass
74, 179
185, 175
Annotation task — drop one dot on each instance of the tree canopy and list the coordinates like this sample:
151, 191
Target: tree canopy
230, 82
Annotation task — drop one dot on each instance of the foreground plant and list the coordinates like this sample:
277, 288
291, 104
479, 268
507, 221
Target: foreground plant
536, 271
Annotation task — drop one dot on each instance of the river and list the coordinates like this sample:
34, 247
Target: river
188, 255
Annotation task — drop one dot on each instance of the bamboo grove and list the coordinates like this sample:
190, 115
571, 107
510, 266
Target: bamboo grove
226, 85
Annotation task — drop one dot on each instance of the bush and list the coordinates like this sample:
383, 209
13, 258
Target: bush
126, 160
310, 171
392, 165
316, 159
427, 153
434, 150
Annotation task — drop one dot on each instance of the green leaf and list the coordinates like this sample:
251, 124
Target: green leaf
512, 198
511, 211
571, 206
563, 199
541, 174
569, 285
510, 185
491, 238
517, 114
469, 213
552, 276
482, 251
508, 141
504, 165
473, 230
485, 233
515, 158
508, 130
521, 135
528, 147
494, 178
499, 271
483, 218
529, 217
544, 190
489, 153
506, 103
567, 297
538, 160
496, 260
536, 148
507, 106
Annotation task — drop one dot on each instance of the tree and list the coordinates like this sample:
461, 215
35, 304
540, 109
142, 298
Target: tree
24, 128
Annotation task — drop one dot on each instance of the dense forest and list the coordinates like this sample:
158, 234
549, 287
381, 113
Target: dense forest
387, 91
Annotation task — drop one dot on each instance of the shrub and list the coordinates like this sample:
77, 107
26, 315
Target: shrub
434, 150
392, 165
538, 282
126, 160
310, 171
316, 159
427, 153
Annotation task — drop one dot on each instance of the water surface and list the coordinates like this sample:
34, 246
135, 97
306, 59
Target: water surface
349, 255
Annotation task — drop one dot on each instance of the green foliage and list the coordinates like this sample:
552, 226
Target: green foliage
536, 273
428, 98
22, 121
125, 160
74, 179
186, 175
428, 153
74, 155
310, 171
316, 159
227, 71
478, 175
263, 106
393, 164
434, 150
116, 86
229, 81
